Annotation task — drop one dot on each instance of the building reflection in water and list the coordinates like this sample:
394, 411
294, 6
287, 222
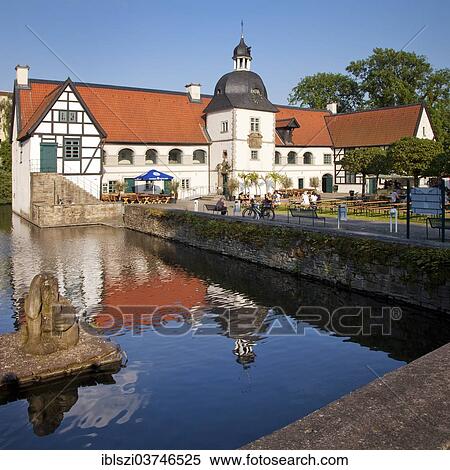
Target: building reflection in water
125, 283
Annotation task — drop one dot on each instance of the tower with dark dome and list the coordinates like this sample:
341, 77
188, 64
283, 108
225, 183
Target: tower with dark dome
240, 121
241, 88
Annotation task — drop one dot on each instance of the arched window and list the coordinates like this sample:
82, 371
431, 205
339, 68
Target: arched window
175, 156
277, 158
199, 156
292, 158
150, 156
126, 157
307, 158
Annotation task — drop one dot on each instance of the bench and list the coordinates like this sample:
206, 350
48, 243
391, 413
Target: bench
212, 208
305, 213
436, 222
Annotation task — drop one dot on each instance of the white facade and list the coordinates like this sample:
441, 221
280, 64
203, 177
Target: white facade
310, 162
191, 172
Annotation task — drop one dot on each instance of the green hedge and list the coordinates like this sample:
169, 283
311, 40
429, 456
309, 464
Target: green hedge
5, 187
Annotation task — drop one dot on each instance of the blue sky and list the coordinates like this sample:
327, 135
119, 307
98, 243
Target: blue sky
166, 44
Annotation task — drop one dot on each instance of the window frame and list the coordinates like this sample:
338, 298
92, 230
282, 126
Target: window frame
350, 178
224, 127
254, 152
185, 184
326, 155
292, 154
70, 146
310, 156
254, 124
72, 113
61, 113
277, 156
122, 160
152, 161
178, 162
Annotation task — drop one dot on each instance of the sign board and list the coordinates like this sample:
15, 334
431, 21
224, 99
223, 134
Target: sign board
342, 212
426, 201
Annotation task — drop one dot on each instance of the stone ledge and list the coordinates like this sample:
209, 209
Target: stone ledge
408, 408
18, 369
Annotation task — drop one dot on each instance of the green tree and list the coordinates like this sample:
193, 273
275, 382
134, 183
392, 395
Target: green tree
6, 113
5, 187
390, 77
253, 178
266, 179
316, 91
233, 186
275, 177
5, 172
413, 156
286, 182
440, 165
245, 181
5, 156
314, 182
365, 161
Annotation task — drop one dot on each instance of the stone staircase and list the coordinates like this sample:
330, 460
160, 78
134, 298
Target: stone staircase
53, 189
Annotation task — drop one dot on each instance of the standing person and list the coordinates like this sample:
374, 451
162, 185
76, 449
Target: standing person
313, 198
276, 198
395, 196
305, 199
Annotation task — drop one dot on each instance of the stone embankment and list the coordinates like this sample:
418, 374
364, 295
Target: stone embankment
406, 272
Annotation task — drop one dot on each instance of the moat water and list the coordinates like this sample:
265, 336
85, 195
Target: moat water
220, 352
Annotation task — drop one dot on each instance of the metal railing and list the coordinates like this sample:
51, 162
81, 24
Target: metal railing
86, 184
81, 181
194, 192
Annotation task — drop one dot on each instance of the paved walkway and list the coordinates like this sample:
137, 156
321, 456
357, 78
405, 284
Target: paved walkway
408, 408
367, 228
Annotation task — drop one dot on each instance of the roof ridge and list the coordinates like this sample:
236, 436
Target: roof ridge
372, 110
299, 108
117, 87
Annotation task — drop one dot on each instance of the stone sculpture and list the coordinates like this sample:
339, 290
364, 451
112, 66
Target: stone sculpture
51, 323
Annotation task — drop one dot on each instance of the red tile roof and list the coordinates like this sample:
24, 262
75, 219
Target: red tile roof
127, 114
151, 116
31, 110
312, 131
370, 128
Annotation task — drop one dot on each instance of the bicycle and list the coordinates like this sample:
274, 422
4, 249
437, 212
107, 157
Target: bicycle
256, 212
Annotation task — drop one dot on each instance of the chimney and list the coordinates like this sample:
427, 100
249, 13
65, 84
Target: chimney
22, 76
332, 107
193, 91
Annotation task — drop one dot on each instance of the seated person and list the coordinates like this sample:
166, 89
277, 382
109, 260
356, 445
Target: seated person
220, 206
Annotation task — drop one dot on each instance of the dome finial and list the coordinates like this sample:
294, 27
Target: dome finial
242, 53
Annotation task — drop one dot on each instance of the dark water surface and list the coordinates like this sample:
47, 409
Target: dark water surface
236, 373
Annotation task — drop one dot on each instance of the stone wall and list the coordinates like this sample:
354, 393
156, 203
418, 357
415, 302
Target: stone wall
45, 215
406, 272
51, 188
